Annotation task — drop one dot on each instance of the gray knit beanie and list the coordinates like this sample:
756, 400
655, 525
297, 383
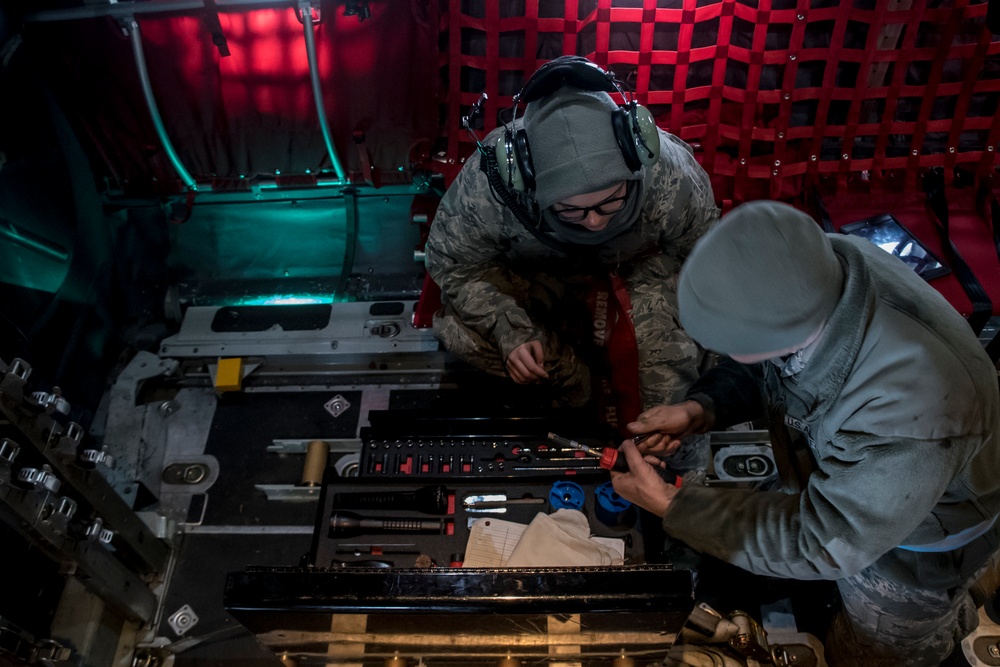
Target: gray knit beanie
573, 146
763, 279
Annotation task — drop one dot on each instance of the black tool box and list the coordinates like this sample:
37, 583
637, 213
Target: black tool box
395, 539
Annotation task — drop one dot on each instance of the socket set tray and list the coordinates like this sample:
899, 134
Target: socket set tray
424, 448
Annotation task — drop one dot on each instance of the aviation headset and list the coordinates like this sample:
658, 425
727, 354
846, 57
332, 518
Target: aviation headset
633, 125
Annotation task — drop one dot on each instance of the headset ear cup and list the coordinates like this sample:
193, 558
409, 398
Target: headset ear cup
524, 163
644, 130
507, 161
621, 126
636, 134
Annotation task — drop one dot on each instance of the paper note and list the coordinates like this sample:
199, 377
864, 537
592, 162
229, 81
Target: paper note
491, 541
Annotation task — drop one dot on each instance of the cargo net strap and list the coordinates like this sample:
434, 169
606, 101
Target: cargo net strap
775, 98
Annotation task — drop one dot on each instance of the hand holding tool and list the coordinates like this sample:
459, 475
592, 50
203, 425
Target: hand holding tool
611, 458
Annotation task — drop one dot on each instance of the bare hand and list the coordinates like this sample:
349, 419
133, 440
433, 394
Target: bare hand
667, 425
642, 484
524, 363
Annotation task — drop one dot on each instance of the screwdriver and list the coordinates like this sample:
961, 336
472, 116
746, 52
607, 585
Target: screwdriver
609, 458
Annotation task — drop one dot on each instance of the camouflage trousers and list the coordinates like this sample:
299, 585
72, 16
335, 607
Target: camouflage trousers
883, 623
668, 359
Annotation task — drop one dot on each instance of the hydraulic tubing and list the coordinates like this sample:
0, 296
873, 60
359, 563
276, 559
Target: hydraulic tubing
154, 113
306, 9
350, 241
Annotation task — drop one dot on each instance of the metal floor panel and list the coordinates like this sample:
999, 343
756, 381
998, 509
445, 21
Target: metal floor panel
198, 582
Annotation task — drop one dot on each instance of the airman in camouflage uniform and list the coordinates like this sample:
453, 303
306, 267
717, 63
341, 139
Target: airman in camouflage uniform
502, 287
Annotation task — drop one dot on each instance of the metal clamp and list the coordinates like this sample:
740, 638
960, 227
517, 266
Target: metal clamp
96, 532
66, 507
58, 514
52, 402
74, 432
8, 451
95, 456
19, 368
36, 478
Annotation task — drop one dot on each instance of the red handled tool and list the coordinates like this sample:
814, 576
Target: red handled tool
610, 457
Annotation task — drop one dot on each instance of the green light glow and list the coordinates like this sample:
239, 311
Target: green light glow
283, 300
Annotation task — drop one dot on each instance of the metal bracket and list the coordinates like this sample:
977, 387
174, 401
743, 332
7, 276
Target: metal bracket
182, 620
337, 405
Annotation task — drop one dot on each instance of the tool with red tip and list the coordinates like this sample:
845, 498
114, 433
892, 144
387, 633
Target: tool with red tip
609, 457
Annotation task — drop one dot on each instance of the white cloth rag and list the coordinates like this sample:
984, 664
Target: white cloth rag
560, 539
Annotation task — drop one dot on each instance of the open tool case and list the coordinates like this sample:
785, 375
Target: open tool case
416, 477
422, 482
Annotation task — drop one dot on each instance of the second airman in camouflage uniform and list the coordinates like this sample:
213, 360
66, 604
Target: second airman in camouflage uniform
503, 287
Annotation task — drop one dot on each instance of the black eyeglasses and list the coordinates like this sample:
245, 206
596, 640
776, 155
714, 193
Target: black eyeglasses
606, 207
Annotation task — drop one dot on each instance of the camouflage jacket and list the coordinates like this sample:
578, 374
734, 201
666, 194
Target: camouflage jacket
475, 241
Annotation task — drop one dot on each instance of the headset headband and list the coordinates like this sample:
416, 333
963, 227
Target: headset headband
575, 71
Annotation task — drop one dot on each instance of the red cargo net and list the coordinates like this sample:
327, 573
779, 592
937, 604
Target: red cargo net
775, 96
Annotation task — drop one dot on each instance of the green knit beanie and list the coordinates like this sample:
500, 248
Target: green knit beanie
573, 146
763, 279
